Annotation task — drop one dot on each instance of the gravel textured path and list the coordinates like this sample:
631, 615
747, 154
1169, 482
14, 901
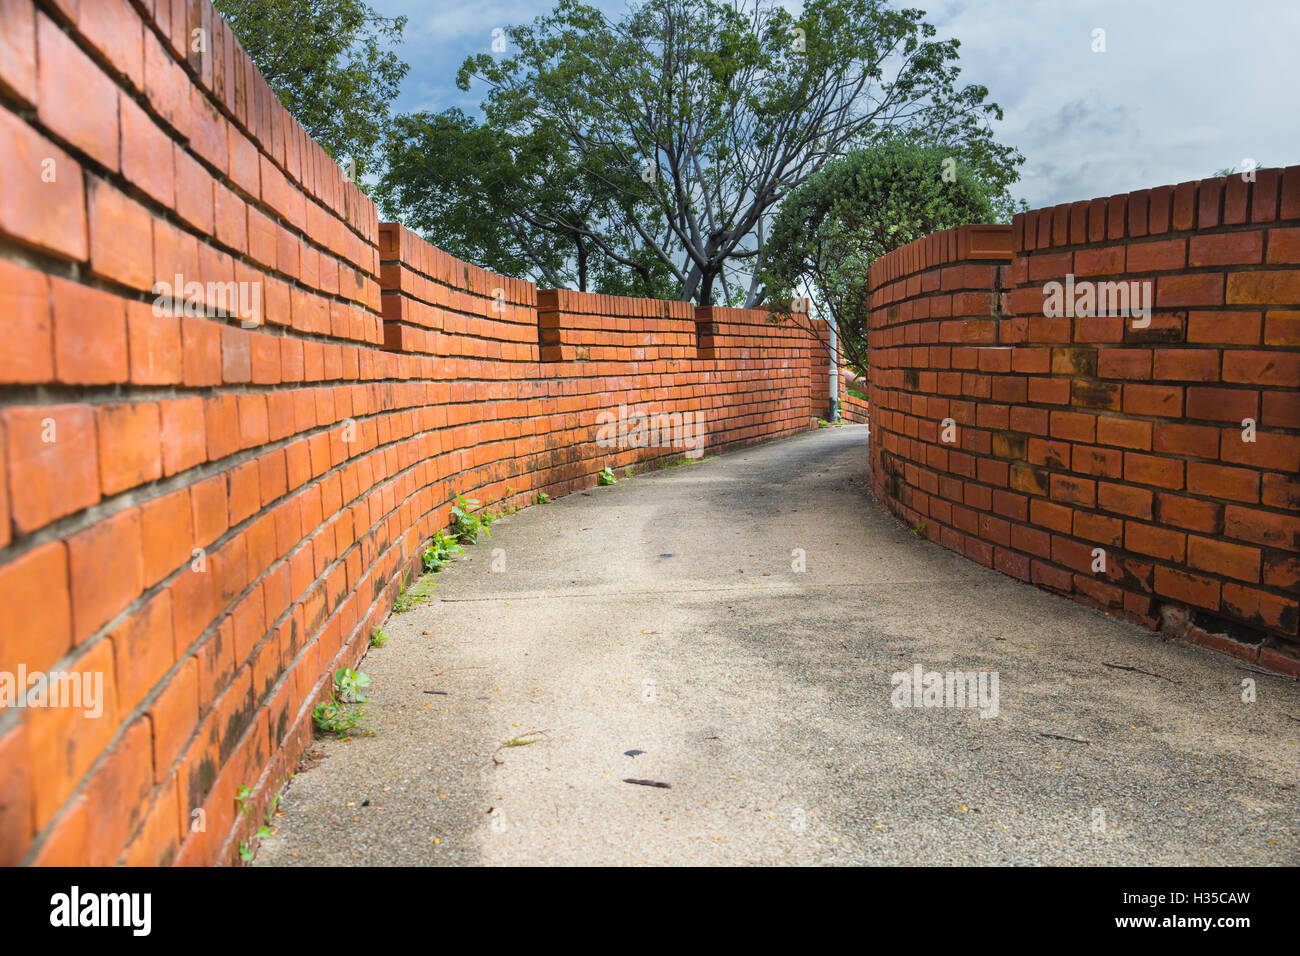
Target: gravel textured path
655, 630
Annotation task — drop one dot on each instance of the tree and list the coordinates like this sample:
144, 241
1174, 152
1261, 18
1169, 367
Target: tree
324, 60
850, 213
516, 203
688, 121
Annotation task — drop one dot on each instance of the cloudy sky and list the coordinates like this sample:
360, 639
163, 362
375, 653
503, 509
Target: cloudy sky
1184, 87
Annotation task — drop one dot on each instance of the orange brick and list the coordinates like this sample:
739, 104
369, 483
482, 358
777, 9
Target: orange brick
184, 438
53, 463
1223, 558
89, 335
121, 236
167, 535
174, 714
38, 615
155, 345
147, 159
105, 571
27, 346
156, 842
193, 194
210, 511
18, 49
76, 98
65, 741
42, 196
143, 650
16, 828
130, 445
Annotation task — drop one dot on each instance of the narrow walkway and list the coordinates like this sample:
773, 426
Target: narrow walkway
655, 630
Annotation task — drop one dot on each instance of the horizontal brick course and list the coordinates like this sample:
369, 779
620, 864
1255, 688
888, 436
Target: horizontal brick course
1183, 424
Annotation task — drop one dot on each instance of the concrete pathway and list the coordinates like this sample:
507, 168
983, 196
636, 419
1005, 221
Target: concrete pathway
655, 631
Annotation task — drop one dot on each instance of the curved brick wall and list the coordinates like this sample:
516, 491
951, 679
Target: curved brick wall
304, 457
1074, 433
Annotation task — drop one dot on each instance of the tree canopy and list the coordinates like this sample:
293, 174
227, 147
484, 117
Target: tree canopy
325, 60
850, 213
649, 154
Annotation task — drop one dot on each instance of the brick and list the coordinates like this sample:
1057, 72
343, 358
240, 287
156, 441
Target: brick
1187, 588
42, 192
1219, 481
142, 650
1199, 289
105, 571
27, 347
130, 446
1163, 543
1125, 499
1223, 328
16, 828
1187, 365
1284, 246
52, 462
1153, 470
1262, 368
65, 741
1262, 527
115, 30
1233, 248
174, 715
68, 76
167, 535
210, 511
1223, 558
18, 51
89, 335
154, 341
1158, 401
1125, 432
1124, 363
194, 193
1222, 404
38, 615
231, 219
147, 159
183, 434
1278, 287
1282, 328
1157, 256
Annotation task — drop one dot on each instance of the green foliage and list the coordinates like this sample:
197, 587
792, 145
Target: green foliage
440, 551
242, 797
325, 60
377, 637
414, 596
348, 685
333, 717
466, 523
606, 476
846, 216
542, 498
919, 530
643, 156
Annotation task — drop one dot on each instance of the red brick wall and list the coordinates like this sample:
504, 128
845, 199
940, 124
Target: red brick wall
1076, 433
852, 408
213, 513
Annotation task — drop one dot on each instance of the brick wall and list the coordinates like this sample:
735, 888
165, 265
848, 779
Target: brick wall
1072, 433
852, 408
210, 510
